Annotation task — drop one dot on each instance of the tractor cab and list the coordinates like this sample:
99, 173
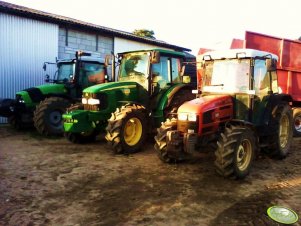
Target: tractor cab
78, 74
248, 76
154, 70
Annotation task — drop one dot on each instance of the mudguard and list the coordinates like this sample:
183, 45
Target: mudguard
7, 107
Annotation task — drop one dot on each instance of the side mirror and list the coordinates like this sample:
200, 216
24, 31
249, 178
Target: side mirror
107, 60
44, 66
271, 64
47, 79
186, 79
182, 70
155, 57
107, 78
71, 78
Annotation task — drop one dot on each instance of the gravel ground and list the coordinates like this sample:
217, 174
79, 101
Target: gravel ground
53, 182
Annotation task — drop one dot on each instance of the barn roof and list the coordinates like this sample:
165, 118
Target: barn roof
68, 22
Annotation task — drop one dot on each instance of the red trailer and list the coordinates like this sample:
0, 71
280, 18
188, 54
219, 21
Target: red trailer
288, 68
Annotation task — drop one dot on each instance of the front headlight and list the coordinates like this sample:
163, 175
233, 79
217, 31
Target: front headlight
187, 116
182, 116
92, 101
192, 117
20, 99
84, 101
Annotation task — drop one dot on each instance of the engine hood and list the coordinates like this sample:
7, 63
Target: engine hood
110, 86
205, 103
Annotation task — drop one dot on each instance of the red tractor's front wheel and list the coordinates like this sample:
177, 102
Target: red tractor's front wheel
161, 140
235, 152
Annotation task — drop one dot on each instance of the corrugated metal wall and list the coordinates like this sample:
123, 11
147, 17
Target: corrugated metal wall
25, 45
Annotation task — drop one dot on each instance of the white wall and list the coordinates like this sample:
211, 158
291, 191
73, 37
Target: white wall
25, 44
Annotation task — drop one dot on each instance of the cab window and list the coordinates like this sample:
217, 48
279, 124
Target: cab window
262, 81
91, 74
176, 69
161, 73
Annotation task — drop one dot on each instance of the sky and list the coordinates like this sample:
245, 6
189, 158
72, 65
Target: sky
191, 24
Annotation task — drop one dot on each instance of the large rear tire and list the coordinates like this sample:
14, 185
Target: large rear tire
126, 130
48, 116
161, 143
297, 122
235, 152
283, 127
177, 100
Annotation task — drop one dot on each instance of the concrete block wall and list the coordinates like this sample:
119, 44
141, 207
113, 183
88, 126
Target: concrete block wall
94, 43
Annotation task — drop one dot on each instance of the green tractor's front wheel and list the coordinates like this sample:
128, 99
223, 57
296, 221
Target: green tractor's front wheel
126, 130
48, 116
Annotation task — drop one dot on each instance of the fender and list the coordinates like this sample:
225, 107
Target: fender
166, 98
34, 95
272, 103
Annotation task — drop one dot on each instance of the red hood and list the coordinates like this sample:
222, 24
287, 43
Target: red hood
205, 103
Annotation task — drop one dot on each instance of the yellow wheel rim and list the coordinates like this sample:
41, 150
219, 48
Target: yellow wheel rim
132, 131
284, 131
244, 155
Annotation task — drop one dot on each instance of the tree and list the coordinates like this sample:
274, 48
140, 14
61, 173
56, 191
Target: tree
144, 33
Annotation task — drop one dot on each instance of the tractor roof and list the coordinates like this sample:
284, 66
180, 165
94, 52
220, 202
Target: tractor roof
162, 51
84, 58
236, 53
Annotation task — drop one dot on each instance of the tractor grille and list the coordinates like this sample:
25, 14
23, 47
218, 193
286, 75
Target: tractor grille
184, 126
88, 107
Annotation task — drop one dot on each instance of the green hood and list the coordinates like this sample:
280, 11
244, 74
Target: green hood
34, 95
110, 86
52, 88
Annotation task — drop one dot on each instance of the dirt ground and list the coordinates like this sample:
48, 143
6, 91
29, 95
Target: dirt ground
52, 182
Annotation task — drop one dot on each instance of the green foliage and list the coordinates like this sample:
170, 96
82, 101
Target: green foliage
144, 33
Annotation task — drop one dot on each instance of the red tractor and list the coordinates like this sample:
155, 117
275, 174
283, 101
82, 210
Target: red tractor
239, 109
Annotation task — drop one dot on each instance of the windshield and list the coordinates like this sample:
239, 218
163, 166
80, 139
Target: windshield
65, 71
134, 67
227, 76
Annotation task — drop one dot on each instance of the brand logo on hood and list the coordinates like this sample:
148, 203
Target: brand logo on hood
127, 91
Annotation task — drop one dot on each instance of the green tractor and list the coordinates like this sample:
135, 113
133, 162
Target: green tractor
150, 86
43, 106
238, 109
